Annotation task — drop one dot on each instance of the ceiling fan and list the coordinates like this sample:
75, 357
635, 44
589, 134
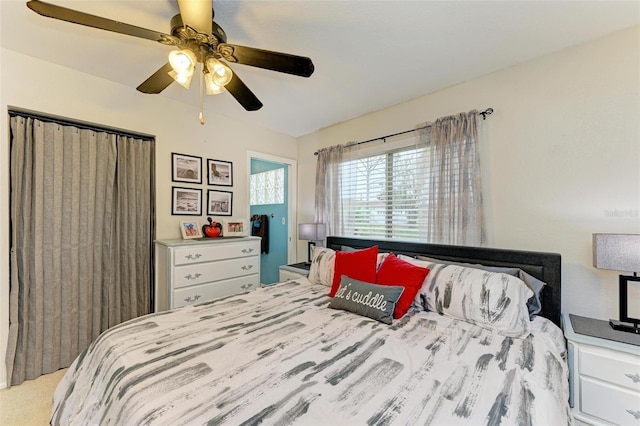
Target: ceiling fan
199, 40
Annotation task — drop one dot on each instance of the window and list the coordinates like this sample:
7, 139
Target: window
425, 187
267, 187
385, 195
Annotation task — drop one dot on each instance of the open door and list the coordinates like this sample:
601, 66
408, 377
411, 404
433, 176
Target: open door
271, 213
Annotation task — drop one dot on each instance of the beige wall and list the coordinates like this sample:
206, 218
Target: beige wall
41, 86
562, 158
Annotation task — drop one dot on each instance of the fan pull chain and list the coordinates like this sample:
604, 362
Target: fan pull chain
202, 96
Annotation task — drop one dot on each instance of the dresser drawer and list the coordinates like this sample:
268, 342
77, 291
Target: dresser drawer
609, 366
214, 271
610, 403
208, 291
197, 254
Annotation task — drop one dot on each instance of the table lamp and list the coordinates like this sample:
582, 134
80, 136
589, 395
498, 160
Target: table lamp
620, 252
313, 232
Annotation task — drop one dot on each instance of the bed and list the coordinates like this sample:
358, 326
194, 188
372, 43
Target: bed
280, 355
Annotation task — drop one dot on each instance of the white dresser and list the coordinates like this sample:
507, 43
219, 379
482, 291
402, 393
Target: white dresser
604, 376
194, 271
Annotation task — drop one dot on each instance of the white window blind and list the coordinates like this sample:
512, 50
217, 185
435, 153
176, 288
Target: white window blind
267, 187
385, 195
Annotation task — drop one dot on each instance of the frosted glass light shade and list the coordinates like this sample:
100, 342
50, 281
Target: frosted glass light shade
182, 60
183, 78
221, 74
212, 87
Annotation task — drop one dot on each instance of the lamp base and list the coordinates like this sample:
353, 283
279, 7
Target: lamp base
624, 326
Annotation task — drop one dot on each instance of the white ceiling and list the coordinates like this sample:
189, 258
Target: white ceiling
368, 55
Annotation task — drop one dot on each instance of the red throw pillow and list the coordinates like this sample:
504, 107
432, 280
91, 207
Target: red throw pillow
394, 271
359, 265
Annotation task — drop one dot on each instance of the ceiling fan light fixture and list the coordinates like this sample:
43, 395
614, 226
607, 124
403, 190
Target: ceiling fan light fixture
182, 60
220, 73
182, 78
211, 86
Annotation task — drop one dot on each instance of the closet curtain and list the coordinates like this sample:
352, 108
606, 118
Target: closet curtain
81, 234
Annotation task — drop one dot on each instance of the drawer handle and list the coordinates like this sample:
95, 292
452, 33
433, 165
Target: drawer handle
249, 250
247, 267
635, 377
193, 277
634, 413
246, 286
193, 256
192, 299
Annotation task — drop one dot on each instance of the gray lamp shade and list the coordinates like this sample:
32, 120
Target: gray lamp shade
618, 252
312, 231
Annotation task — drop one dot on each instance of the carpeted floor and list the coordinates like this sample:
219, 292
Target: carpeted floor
29, 404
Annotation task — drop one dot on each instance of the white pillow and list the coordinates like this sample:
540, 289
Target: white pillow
381, 258
322, 266
491, 300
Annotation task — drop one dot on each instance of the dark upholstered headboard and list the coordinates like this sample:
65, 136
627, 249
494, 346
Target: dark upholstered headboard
544, 266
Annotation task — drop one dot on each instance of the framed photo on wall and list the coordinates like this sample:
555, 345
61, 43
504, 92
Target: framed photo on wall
186, 168
186, 201
190, 229
219, 203
235, 227
220, 172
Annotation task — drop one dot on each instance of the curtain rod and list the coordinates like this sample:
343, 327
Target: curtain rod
484, 114
14, 111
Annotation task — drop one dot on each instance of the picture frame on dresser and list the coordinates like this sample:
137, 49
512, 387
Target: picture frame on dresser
190, 229
219, 203
186, 201
219, 172
186, 168
235, 227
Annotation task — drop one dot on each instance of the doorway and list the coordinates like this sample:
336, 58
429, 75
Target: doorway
271, 200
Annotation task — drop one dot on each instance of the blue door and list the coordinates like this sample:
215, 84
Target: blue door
269, 202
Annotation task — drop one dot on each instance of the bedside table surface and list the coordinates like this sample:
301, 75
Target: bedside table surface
301, 268
598, 332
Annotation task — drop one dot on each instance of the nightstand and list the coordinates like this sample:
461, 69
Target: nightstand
604, 372
294, 271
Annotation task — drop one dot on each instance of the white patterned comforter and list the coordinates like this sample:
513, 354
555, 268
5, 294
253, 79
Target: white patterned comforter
279, 356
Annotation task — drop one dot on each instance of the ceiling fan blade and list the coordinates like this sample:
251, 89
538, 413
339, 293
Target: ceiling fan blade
62, 13
243, 95
197, 14
159, 81
275, 61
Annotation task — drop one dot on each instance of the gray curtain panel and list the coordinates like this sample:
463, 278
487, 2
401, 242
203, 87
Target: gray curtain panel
80, 240
328, 204
455, 212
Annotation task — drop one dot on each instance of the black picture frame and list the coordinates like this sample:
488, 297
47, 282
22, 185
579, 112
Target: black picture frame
186, 168
219, 172
186, 201
219, 203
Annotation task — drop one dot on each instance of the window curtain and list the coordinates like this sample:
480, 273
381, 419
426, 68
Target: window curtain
454, 213
328, 207
81, 234
424, 188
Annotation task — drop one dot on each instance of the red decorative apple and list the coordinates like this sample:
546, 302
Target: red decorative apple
211, 230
